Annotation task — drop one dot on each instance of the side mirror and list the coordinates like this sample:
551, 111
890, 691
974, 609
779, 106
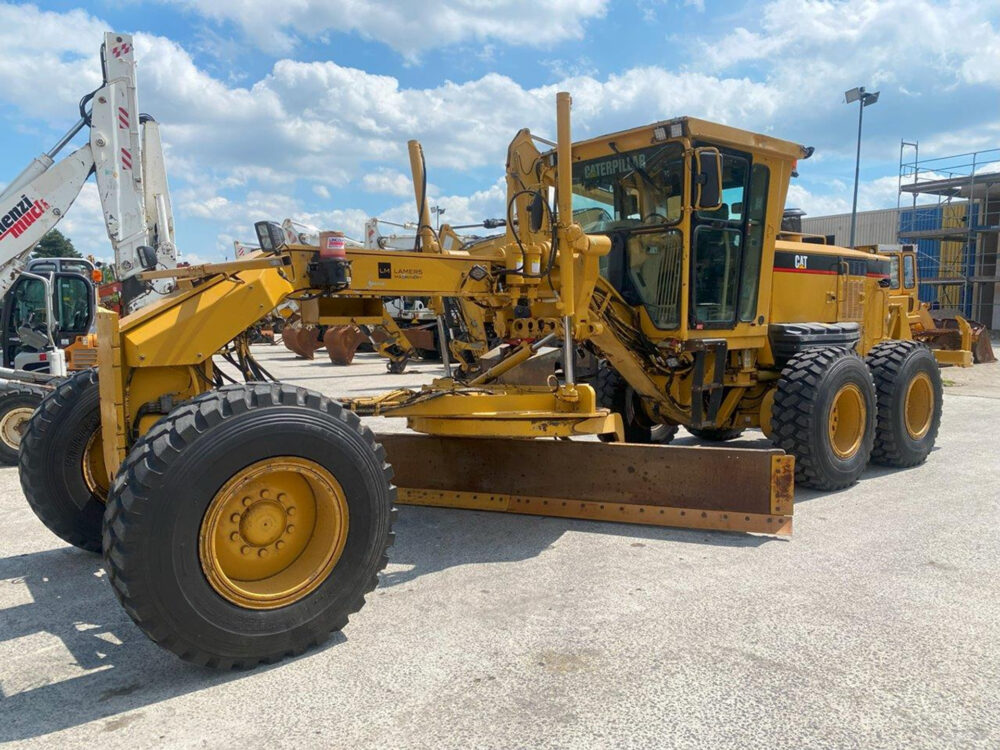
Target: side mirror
707, 179
147, 257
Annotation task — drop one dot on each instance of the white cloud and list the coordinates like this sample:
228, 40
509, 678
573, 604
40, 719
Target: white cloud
333, 126
878, 41
406, 26
834, 196
84, 224
387, 181
490, 203
49, 59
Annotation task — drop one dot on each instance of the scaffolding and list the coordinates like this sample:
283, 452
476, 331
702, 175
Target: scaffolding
955, 226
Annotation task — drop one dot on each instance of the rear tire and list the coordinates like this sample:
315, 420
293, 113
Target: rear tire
716, 434
61, 463
615, 394
824, 415
18, 402
200, 535
908, 384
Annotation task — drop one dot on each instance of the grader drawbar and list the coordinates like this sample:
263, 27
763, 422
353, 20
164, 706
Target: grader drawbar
241, 522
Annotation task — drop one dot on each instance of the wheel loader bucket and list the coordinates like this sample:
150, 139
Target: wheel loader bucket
342, 343
303, 341
730, 489
957, 341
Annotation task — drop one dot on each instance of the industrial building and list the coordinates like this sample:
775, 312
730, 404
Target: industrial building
953, 218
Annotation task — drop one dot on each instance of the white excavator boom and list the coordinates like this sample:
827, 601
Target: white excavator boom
126, 156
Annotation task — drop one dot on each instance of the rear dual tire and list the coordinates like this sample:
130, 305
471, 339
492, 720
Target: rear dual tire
834, 411
909, 390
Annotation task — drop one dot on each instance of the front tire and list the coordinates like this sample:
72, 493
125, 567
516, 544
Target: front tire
908, 384
62, 462
18, 402
824, 415
716, 434
617, 395
248, 524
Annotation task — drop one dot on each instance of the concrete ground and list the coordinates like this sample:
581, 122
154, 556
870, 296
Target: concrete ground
876, 625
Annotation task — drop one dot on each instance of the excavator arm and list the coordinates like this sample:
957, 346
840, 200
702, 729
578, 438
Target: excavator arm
125, 154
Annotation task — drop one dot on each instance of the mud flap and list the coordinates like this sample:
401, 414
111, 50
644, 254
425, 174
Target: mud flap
729, 489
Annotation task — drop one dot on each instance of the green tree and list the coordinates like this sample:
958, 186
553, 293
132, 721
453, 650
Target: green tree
55, 245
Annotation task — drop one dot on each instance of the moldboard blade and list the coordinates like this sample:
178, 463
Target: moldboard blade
731, 489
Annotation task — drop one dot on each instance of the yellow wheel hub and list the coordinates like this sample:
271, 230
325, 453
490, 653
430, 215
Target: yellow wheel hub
273, 533
13, 424
918, 406
847, 421
95, 474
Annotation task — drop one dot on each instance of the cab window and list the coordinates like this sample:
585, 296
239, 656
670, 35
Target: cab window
909, 272
629, 189
655, 262
72, 306
724, 269
756, 211
28, 305
73, 310
894, 272
716, 274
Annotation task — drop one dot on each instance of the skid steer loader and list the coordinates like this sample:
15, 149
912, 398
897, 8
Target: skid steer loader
244, 522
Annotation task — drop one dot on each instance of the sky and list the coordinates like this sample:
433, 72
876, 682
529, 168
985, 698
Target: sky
302, 108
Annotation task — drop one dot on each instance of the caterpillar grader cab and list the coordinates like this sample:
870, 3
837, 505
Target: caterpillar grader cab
242, 522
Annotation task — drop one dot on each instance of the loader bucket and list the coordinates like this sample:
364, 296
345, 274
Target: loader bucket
730, 489
303, 341
342, 343
982, 347
955, 333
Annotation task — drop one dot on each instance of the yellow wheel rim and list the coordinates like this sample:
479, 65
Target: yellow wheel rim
95, 473
847, 420
13, 424
918, 406
273, 533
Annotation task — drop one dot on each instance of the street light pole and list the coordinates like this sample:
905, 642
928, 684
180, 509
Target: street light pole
437, 211
864, 99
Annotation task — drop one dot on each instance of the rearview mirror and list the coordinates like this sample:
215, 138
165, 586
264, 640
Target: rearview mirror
707, 179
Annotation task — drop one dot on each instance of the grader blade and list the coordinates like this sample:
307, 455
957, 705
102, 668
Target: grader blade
730, 489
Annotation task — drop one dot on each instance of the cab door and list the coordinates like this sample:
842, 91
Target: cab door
727, 245
24, 306
909, 279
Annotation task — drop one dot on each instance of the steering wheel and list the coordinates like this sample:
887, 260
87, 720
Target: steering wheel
654, 215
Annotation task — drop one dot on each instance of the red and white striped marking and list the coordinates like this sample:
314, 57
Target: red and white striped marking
123, 118
126, 158
121, 49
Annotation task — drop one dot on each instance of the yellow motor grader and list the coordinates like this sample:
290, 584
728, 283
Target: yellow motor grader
242, 522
